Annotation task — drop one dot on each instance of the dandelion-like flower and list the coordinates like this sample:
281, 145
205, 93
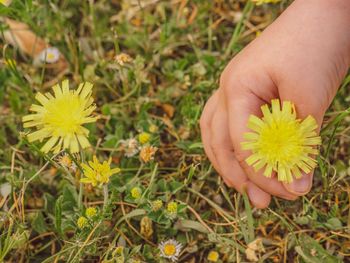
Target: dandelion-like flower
90, 212
170, 249
281, 142
122, 58
213, 256
144, 137
97, 173
147, 153
156, 205
82, 222
136, 192
60, 118
130, 147
49, 55
260, 2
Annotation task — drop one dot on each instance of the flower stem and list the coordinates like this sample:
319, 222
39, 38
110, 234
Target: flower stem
105, 197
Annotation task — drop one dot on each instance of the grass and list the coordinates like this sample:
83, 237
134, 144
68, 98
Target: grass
178, 50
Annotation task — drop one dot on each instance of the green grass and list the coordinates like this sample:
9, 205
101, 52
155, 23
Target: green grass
179, 49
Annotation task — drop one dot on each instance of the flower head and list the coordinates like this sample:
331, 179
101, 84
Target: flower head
171, 209
123, 58
260, 2
98, 173
90, 212
147, 153
144, 137
281, 142
157, 205
136, 192
65, 161
130, 147
60, 118
82, 222
170, 249
213, 256
49, 55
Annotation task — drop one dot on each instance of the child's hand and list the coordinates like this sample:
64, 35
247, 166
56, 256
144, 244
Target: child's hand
302, 57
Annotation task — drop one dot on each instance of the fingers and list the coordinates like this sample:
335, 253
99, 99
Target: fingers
240, 106
229, 167
205, 125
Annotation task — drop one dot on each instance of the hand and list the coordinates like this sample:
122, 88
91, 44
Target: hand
302, 57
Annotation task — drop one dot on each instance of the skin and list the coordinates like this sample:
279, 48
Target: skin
302, 57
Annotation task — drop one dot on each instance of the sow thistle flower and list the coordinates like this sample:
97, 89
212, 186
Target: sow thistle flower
60, 118
170, 249
282, 143
144, 137
98, 173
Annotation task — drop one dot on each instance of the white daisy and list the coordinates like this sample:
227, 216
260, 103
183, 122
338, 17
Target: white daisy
170, 249
49, 55
130, 147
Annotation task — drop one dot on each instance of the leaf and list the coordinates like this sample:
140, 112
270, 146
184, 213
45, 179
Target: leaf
58, 214
333, 223
187, 225
39, 224
312, 252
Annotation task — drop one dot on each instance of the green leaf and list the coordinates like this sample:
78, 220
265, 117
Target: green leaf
39, 224
58, 214
312, 252
187, 225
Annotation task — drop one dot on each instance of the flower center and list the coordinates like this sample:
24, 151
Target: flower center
281, 142
169, 249
64, 115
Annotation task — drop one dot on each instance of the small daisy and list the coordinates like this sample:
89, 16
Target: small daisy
82, 222
130, 147
60, 118
170, 249
171, 209
144, 137
282, 143
147, 153
49, 55
136, 192
156, 205
97, 173
122, 58
90, 212
213, 256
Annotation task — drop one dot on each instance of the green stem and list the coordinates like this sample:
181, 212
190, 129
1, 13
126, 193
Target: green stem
105, 197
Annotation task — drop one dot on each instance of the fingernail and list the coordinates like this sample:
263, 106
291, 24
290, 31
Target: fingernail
258, 197
300, 186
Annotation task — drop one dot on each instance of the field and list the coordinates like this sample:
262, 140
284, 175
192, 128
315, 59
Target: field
153, 64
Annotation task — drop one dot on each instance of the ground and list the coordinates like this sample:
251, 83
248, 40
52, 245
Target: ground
173, 53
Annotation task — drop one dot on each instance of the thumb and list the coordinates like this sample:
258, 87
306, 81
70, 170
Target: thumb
305, 106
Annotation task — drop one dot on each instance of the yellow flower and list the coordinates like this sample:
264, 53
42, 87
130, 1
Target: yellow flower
60, 117
98, 173
144, 137
136, 192
281, 142
170, 249
123, 58
153, 128
147, 153
91, 212
172, 209
82, 222
213, 256
156, 205
260, 2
